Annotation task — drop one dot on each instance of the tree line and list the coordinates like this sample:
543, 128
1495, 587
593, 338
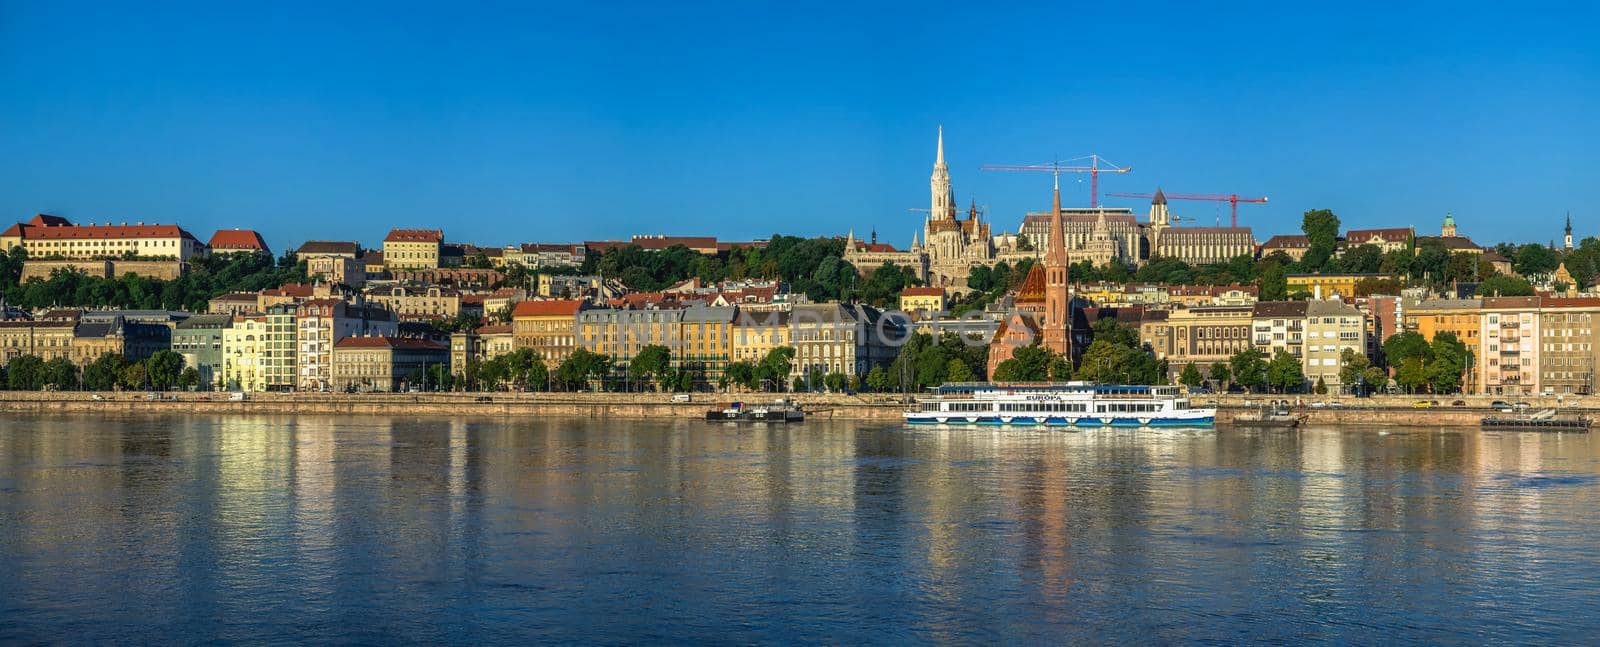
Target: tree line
162, 371
207, 278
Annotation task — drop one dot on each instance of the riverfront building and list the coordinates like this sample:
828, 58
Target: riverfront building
320, 324
383, 363
199, 340
841, 338
1332, 327
547, 327
1202, 336
244, 365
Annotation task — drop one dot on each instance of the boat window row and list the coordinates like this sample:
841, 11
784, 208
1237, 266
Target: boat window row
1127, 408
1043, 407
968, 406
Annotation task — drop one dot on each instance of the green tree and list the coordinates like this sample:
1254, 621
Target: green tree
1321, 388
102, 373
1533, 259
1361, 259
1412, 374
1191, 376
958, 371
492, 373
878, 380
775, 367
1284, 372
741, 373
581, 367
1406, 345
135, 377
1220, 375
1249, 367
1352, 367
1501, 285
60, 374
1322, 231
1376, 378
835, 381
189, 379
25, 373
1274, 283
1450, 360
164, 367
1027, 364
652, 363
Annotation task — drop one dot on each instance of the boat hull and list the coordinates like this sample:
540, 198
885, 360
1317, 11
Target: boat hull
1075, 422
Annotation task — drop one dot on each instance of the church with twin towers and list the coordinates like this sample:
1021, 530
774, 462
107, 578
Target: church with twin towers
949, 244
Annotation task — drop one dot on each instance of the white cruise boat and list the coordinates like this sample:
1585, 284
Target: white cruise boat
1073, 404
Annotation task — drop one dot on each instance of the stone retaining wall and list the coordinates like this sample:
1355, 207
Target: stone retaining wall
1357, 413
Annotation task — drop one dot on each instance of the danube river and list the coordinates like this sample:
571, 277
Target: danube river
204, 529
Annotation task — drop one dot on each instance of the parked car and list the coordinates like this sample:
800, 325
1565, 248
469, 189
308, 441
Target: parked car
1459, 403
1319, 404
1336, 405
681, 397
483, 398
1422, 404
1500, 405
236, 396
1522, 406
1200, 390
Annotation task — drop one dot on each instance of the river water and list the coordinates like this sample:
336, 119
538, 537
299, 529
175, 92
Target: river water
201, 529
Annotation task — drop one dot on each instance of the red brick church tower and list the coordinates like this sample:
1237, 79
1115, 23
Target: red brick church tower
1057, 320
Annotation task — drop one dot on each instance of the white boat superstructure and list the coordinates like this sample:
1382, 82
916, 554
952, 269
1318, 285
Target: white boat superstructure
1072, 404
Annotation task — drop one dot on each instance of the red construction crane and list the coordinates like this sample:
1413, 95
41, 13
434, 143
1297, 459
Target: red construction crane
1232, 199
1094, 169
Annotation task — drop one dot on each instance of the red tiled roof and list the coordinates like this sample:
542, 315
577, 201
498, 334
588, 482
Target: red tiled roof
78, 232
663, 242
47, 220
414, 236
495, 329
408, 343
548, 308
862, 246
289, 290
237, 239
922, 292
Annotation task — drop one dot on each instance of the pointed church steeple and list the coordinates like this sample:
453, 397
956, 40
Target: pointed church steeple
1057, 298
944, 203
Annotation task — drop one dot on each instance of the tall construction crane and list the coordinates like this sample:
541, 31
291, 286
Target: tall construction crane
1094, 169
1233, 200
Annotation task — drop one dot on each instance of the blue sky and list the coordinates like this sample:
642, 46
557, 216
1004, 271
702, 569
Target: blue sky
517, 122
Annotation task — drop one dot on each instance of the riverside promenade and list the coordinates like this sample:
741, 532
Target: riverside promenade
1394, 410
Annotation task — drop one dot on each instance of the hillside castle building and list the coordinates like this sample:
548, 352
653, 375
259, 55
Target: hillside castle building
948, 247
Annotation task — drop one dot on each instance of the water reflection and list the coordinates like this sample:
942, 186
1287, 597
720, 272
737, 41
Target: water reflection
391, 529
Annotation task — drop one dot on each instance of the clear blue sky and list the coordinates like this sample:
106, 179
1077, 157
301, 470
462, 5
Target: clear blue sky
511, 122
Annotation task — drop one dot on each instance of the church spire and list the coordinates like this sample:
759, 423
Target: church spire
944, 203
1057, 298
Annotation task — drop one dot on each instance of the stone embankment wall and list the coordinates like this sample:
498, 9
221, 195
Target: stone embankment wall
1362, 412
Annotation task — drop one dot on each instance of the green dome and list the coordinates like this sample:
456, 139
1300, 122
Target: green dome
1449, 220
